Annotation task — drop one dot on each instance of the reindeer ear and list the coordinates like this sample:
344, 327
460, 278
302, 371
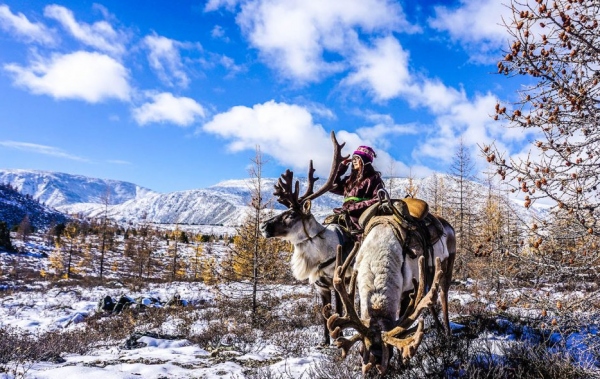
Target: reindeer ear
306, 207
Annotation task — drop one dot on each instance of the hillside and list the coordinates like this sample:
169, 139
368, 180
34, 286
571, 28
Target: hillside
14, 206
56, 188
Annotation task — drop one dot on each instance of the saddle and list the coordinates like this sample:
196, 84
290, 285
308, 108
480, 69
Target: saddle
413, 225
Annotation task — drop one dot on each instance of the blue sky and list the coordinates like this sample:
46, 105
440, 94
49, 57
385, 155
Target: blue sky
176, 95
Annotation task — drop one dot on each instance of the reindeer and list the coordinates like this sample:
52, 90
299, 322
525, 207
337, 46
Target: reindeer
315, 249
386, 274
315, 245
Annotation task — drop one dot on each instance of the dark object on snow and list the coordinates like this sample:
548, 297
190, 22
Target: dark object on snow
5, 242
107, 304
123, 303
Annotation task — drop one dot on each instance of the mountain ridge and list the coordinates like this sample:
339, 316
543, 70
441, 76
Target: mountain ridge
225, 203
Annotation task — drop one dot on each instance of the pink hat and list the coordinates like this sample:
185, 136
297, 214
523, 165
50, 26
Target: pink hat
366, 153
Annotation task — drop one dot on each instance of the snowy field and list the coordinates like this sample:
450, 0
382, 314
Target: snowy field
205, 340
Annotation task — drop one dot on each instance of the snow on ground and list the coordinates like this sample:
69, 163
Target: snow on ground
42, 307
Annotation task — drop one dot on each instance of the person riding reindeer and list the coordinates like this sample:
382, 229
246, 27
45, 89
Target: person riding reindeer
359, 189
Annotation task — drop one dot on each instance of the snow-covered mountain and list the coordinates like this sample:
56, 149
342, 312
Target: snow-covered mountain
55, 188
225, 203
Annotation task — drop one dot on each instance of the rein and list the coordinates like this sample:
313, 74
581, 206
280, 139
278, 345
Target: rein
308, 237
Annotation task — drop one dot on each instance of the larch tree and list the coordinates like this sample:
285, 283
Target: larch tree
461, 209
24, 229
104, 230
556, 46
252, 259
202, 263
56, 259
391, 182
71, 247
461, 198
177, 266
435, 192
412, 188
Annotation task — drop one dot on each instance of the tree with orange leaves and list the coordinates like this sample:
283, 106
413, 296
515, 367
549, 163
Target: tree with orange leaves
556, 44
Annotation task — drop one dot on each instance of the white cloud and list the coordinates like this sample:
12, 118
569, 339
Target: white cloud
477, 25
293, 35
213, 5
230, 65
165, 59
383, 70
41, 149
92, 77
435, 95
99, 35
289, 134
165, 107
20, 26
381, 132
283, 131
219, 33
469, 119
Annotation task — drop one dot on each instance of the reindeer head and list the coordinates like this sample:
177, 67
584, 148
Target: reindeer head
291, 222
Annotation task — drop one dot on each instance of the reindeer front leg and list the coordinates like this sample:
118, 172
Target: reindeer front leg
325, 294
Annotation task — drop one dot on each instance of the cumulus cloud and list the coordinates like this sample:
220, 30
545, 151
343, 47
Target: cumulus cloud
383, 70
477, 25
88, 76
283, 131
435, 95
20, 26
99, 35
40, 149
164, 57
470, 121
288, 133
166, 108
293, 36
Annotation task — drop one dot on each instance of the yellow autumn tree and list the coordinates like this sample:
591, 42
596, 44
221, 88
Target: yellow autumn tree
252, 259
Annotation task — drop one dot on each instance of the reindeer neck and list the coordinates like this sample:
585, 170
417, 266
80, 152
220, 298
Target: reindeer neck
312, 232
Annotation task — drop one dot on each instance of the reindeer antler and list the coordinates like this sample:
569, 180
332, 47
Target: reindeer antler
290, 198
403, 336
336, 323
335, 164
